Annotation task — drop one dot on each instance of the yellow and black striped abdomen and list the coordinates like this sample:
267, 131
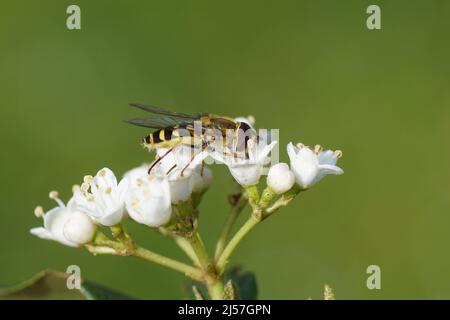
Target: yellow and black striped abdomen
167, 138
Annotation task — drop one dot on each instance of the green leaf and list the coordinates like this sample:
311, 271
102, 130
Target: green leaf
52, 284
93, 291
231, 291
245, 283
47, 284
328, 293
197, 293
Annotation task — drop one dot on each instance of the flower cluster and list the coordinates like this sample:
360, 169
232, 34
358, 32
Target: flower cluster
148, 198
166, 193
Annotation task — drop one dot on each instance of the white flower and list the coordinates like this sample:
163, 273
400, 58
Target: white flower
201, 179
102, 198
310, 166
280, 178
180, 157
180, 185
148, 202
133, 175
181, 165
65, 224
247, 171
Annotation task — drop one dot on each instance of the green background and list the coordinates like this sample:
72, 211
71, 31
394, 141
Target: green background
310, 68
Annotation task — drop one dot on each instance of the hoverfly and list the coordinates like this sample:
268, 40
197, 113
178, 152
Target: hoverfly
200, 131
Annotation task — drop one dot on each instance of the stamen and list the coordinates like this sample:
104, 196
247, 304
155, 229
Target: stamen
75, 188
251, 119
108, 190
300, 145
85, 187
39, 212
53, 195
318, 148
88, 179
90, 197
338, 153
102, 173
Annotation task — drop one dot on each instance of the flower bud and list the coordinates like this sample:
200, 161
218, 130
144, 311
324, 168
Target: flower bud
280, 178
79, 228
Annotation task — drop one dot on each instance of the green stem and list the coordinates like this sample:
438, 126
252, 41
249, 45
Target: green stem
148, 255
231, 219
183, 244
254, 219
102, 245
200, 251
282, 201
213, 282
216, 290
253, 195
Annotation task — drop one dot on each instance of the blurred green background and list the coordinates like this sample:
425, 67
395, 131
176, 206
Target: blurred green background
310, 68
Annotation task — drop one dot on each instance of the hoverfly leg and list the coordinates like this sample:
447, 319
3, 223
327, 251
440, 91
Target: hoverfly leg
171, 169
158, 160
186, 166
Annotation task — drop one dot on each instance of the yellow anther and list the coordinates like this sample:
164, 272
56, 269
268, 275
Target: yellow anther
84, 186
300, 145
102, 173
53, 195
75, 188
318, 148
338, 153
108, 190
39, 212
251, 119
90, 198
88, 179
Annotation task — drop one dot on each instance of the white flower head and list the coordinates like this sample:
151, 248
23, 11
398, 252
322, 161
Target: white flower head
148, 202
102, 198
181, 165
181, 157
280, 178
180, 185
201, 179
311, 165
65, 224
133, 175
247, 170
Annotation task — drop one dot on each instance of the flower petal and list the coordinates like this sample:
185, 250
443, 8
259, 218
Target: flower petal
327, 157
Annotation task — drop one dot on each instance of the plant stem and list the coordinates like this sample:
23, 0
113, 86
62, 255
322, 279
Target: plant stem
216, 290
213, 282
183, 244
148, 255
231, 219
199, 250
254, 219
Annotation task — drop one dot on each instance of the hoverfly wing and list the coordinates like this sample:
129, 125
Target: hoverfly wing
155, 123
158, 110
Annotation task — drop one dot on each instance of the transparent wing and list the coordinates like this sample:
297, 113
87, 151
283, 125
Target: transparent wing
158, 123
158, 110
